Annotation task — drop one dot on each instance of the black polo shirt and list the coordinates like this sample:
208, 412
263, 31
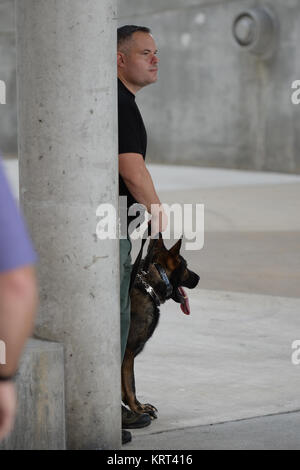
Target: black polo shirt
132, 134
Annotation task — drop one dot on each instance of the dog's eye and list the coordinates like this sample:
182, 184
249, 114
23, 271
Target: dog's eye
182, 262
181, 268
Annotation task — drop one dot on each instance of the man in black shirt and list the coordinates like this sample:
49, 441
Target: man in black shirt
133, 136
137, 67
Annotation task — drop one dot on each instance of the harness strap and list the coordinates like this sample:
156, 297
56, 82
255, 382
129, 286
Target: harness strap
165, 278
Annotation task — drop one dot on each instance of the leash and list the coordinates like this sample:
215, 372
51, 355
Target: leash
135, 266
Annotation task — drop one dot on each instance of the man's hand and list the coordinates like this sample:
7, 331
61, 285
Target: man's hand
8, 404
159, 220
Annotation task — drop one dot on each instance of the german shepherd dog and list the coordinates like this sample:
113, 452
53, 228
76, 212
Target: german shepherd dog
161, 276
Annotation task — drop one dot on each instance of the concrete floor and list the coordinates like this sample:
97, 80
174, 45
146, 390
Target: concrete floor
231, 359
277, 432
251, 262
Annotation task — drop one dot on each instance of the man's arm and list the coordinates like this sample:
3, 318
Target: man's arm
138, 180
18, 298
18, 303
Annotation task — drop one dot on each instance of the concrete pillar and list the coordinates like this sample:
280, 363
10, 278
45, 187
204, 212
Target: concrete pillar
68, 165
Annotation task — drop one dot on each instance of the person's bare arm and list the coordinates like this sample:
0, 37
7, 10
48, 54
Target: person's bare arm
138, 180
18, 304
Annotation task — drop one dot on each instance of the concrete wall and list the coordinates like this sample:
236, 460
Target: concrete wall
214, 104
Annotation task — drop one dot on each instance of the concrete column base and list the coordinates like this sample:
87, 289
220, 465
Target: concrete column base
40, 421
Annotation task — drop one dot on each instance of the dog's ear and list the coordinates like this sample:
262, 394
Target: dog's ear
160, 243
157, 243
150, 254
176, 248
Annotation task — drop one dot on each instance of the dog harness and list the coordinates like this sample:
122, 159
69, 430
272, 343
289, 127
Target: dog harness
165, 278
142, 283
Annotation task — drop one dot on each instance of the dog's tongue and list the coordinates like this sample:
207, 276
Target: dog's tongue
185, 306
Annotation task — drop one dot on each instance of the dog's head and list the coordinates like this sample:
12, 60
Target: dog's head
175, 267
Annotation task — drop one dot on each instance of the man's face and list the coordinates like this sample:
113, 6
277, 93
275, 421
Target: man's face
139, 65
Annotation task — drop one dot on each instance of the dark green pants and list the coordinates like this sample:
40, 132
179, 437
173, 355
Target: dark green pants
125, 271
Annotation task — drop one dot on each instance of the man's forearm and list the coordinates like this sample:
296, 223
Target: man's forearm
18, 302
142, 189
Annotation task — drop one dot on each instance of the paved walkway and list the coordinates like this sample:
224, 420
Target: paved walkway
277, 432
230, 360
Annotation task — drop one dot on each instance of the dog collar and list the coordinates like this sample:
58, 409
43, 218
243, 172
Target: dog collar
149, 289
165, 278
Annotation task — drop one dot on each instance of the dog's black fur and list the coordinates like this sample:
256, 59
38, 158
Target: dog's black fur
145, 313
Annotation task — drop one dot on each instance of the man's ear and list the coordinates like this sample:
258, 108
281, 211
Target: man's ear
120, 59
176, 248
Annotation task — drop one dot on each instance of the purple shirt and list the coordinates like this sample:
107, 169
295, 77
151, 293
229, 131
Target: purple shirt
16, 249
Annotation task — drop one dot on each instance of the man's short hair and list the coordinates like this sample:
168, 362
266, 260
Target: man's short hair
125, 33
